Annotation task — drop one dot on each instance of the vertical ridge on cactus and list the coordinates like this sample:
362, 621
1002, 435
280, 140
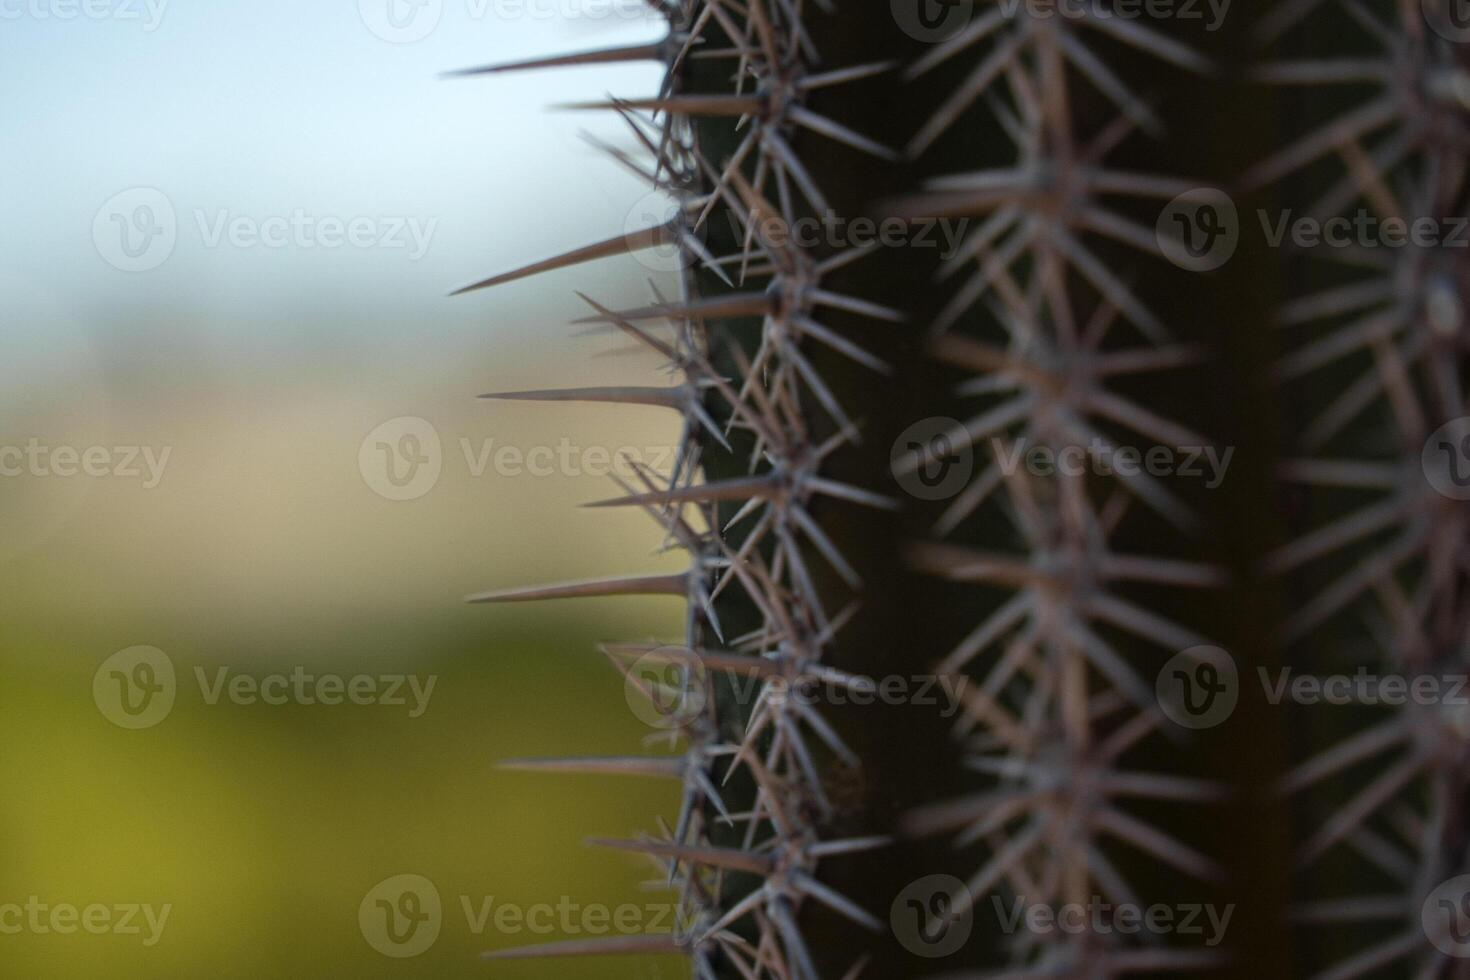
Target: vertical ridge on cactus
1390, 332
1060, 702
752, 538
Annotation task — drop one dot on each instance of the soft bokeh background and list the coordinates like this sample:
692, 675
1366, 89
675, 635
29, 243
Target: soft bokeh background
263, 547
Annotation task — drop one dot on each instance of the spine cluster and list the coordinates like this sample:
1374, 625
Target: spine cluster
1045, 327
1381, 339
746, 849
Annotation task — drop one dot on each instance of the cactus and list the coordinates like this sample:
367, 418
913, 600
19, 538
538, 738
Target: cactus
1390, 335
761, 423
1060, 702
1051, 596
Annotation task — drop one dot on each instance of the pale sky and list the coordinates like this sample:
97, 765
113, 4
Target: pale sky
264, 366
261, 109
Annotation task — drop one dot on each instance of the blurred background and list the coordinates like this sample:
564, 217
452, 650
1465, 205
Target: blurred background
231, 232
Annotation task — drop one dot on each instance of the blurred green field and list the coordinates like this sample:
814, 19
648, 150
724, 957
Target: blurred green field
261, 371
264, 827
263, 549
